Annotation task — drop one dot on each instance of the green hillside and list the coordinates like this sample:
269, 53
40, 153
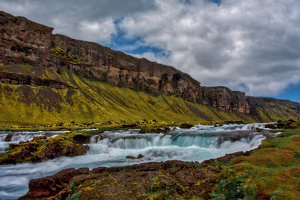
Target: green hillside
87, 101
269, 109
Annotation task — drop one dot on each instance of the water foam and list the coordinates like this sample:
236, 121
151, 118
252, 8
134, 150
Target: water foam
199, 143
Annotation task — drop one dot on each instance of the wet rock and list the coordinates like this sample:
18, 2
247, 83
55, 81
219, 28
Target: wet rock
185, 125
233, 122
129, 125
4, 161
81, 139
271, 126
39, 138
127, 182
12, 146
8, 138
133, 157
40, 149
49, 186
155, 130
218, 125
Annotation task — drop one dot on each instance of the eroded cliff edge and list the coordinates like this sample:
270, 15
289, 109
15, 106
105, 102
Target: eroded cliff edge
26, 42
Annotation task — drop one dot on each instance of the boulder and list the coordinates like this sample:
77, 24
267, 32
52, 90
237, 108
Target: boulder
185, 125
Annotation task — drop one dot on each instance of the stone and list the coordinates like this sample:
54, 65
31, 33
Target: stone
126, 182
185, 125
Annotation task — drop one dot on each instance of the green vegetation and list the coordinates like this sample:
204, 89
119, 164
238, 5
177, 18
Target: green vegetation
275, 110
37, 150
74, 196
8, 138
97, 104
72, 59
270, 172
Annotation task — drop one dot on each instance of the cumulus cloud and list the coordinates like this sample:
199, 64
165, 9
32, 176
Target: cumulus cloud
86, 20
246, 45
250, 45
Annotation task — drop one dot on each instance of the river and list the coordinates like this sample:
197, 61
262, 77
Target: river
199, 143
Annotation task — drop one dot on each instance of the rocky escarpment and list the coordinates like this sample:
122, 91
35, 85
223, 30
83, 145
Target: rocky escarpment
23, 41
21, 79
225, 99
26, 42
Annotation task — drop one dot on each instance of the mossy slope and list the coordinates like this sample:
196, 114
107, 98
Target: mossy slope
274, 110
93, 101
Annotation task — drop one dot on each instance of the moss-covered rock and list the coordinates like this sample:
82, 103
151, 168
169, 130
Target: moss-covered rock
41, 148
8, 138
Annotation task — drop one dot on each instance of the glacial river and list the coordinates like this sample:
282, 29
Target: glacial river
198, 143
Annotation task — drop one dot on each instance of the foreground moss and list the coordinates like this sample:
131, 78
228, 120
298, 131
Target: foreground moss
41, 148
271, 172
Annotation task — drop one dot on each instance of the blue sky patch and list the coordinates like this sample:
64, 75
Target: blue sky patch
217, 1
291, 93
133, 45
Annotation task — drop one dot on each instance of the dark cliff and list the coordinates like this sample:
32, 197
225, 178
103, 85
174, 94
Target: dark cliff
26, 42
23, 41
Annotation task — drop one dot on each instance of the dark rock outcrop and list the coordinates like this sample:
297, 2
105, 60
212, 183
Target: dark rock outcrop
225, 99
21, 79
128, 182
26, 42
185, 125
162, 180
50, 186
133, 157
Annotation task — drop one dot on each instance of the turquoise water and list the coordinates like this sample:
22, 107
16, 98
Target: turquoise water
111, 148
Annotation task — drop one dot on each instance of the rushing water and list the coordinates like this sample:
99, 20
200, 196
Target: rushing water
111, 148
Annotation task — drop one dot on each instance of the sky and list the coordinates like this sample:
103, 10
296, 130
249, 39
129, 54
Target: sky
251, 45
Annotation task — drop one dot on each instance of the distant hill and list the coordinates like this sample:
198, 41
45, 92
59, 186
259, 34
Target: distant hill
47, 78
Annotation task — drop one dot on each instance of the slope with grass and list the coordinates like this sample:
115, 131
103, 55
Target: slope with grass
47, 78
93, 101
270, 109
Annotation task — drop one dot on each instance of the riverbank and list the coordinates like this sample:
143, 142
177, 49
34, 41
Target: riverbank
271, 171
123, 147
109, 125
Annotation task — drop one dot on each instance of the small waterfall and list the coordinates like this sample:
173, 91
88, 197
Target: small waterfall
109, 149
24, 136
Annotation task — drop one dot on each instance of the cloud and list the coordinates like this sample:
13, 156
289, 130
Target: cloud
249, 45
72, 17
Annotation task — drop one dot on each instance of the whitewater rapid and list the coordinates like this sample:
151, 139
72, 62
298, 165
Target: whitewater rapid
199, 143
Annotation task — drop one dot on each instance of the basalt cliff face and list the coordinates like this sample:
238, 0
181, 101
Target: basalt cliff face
31, 55
23, 41
26, 42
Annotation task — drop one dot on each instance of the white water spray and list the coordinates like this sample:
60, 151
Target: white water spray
111, 148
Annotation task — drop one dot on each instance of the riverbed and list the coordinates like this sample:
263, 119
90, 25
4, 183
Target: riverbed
199, 143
